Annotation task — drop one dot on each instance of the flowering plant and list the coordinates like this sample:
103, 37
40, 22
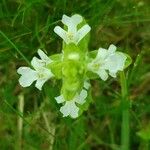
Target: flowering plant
75, 66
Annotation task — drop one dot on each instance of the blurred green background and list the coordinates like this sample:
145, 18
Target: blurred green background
30, 119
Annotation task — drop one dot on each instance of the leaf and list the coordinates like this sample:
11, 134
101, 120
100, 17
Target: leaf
56, 57
144, 133
56, 65
91, 75
56, 68
128, 61
92, 54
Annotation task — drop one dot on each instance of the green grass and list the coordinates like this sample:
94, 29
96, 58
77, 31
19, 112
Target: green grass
27, 25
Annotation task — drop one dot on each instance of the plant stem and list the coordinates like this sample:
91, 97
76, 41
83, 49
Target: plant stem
125, 114
20, 120
15, 47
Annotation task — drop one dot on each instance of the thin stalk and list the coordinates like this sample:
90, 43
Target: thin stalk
50, 129
15, 47
125, 113
147, 145
20, 120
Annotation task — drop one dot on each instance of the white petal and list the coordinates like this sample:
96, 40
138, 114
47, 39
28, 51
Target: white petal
66, 20
44, 74
82, 32
115, 62
28, 76
111, 63
44, 57
113, 74
121, 60
62, 33
59, 99
77, 19
112, 48
69, 109
74, 111
36, 63
39, 83
64, 110
83, 94
102, 74
72, 29
86, 85
82, 97
71, 22
101, 55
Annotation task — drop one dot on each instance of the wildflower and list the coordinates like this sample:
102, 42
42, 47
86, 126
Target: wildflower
40, 73
70, 107
73, 35
107, 62
74, 66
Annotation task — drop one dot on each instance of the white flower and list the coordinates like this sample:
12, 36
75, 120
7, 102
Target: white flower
73, 35
107, 62
70, 108
40, 73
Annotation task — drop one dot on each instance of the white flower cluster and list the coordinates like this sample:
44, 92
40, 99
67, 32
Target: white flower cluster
40, 73
70, 107
106, 62
73, 35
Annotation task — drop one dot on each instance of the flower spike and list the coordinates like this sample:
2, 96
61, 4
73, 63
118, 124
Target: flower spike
75, 66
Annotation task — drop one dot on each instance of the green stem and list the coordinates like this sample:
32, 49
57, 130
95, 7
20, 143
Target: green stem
125, 114
19, 52
147, 145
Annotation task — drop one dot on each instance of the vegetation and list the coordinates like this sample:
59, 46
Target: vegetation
30, 119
